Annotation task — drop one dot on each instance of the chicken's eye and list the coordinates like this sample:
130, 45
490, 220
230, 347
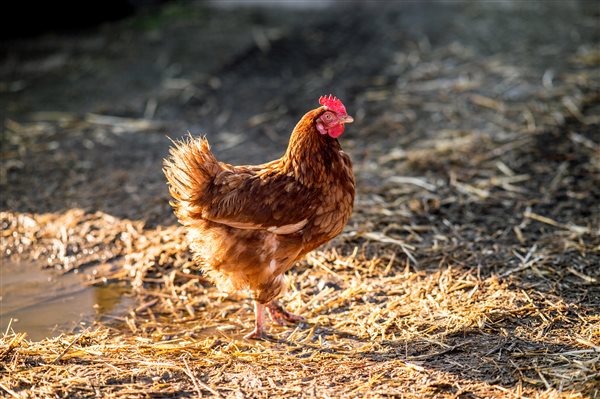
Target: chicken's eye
328, 117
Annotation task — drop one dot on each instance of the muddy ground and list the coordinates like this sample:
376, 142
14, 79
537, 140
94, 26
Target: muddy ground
470, 267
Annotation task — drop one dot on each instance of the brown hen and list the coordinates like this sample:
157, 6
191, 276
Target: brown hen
247, 225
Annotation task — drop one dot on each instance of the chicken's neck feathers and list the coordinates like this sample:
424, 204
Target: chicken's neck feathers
311, 157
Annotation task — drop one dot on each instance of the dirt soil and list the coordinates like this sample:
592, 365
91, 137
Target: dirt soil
470, 267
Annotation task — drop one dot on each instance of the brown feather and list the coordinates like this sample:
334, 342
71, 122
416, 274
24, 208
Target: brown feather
249, 224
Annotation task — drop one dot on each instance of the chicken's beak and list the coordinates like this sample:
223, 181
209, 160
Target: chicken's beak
346, 119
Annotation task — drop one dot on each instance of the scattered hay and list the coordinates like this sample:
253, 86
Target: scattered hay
369, 331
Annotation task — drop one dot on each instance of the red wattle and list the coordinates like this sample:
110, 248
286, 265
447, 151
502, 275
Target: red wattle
336, 131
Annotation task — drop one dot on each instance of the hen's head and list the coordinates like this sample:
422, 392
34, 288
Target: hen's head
332, 120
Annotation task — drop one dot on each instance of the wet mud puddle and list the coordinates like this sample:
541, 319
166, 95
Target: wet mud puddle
44, 303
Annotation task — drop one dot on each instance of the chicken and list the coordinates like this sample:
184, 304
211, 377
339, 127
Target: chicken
247, 225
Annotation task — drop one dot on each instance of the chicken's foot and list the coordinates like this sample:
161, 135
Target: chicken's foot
259, 324
281, 316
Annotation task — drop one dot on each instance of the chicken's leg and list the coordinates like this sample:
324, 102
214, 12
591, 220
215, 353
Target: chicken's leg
259, 326
280, 316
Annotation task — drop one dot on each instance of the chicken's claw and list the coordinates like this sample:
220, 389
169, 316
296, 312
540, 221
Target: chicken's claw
281, 316
257, 334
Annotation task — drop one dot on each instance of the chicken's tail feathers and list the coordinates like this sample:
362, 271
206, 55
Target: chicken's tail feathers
189, 169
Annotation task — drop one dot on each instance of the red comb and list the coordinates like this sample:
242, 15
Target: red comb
332, 103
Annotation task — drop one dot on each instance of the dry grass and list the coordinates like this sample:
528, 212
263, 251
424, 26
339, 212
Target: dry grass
373, 330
